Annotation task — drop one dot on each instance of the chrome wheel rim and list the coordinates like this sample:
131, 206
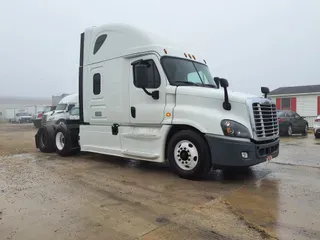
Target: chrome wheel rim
60, 140
186, 155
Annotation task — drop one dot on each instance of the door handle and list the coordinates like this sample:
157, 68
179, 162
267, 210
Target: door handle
133, 112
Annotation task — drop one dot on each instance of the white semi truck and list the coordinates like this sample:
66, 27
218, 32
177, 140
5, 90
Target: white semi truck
62, 111
142, 98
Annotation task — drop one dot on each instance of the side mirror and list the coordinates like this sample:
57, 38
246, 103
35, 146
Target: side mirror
265, 91
217, 81
224, 82
141, 75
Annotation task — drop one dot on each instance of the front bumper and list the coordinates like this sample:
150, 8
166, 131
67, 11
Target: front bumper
226, 151
316, 130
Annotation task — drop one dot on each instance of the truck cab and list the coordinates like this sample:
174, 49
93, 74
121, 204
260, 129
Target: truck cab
143, 97
62, 111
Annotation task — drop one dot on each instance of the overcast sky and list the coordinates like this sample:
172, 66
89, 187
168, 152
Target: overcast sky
252, 43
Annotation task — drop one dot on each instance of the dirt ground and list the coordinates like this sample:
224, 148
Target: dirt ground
89, 196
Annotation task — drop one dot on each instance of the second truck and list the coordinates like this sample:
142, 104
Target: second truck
142, 98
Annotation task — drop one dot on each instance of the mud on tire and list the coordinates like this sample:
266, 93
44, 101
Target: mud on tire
66, 141
189, 154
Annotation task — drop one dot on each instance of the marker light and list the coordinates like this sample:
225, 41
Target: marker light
193, 57
165, 51
204, 61
185, 55
168, 114
189, 56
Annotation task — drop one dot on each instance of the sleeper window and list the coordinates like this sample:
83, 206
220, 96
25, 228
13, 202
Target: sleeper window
153, 75
96, 84
100, 40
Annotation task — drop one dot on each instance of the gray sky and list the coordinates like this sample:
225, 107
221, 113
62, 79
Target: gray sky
249, 42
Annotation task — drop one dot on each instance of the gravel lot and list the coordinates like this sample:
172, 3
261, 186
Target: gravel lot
89, 196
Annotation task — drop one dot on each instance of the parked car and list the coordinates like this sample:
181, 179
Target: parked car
316, 127
37, 119
291, 122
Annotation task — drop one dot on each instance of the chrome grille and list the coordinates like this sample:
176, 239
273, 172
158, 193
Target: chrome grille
265, 120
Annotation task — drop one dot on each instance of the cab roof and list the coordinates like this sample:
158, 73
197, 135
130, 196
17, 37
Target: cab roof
110, 41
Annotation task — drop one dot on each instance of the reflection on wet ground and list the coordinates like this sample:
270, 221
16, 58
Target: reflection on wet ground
286, 203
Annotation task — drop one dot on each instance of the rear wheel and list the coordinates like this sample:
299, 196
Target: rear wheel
189, 155
46, 139
65, 142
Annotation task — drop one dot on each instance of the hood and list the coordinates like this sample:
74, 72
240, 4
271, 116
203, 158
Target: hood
53, 112
214, 93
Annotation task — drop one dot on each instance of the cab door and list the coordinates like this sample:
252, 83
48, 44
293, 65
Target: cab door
143, 108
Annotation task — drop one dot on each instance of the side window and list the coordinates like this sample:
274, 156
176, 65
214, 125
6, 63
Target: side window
153, 75
100, 40
285, 103
70, 107
96, 84
290, 114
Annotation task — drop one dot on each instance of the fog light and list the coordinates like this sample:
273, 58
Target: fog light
244, 155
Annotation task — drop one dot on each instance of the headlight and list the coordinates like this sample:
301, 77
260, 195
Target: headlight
50, 118
234, 129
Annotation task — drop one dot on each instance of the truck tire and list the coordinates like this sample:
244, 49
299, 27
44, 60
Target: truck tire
65, 142
46, 139
189, 155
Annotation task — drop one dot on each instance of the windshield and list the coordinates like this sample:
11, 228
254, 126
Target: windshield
185, 72
281, 114
46, 109
61, 106
23, 114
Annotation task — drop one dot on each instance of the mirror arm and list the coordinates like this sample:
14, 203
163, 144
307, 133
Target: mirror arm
226, 104
154, 94
146, 91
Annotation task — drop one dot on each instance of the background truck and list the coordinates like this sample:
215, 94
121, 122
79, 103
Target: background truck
37, 118
62, 110
14, 115
142, 98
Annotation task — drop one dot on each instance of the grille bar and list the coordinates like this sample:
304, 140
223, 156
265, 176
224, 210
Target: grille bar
265, 120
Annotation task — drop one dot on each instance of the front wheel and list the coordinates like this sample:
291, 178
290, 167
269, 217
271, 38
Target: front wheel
289, 130
189, 155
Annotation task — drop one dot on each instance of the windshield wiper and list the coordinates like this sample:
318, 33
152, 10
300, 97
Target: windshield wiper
188, 83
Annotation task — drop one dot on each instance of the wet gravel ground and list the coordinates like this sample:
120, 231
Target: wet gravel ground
43, 196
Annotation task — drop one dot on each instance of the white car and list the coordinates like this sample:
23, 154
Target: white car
316, 127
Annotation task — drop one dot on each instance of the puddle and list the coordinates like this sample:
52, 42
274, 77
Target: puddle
282, 206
